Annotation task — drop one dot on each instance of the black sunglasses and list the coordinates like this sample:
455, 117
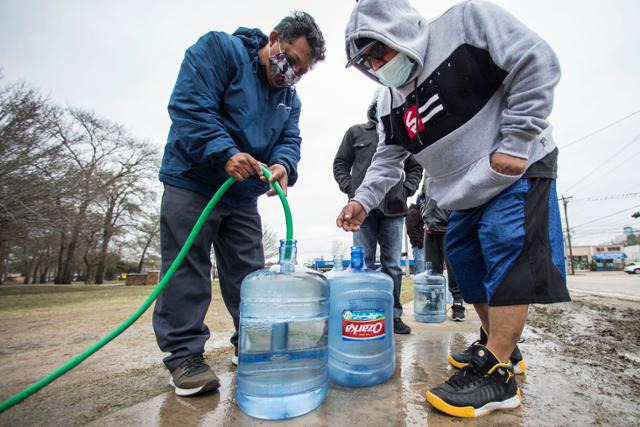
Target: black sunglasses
377, 51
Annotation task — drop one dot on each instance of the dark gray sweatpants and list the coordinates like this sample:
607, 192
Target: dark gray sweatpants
236, 236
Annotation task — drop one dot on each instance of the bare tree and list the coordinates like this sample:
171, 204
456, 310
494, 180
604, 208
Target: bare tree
148, 236
29, 165
62, 171
104, 157
124, 200
270, 243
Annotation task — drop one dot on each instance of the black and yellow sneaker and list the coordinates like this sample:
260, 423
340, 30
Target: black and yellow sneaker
460, 360
483, 386
193, 376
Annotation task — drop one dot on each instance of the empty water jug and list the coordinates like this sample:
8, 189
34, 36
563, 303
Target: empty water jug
361, 341
429, 296
282, 357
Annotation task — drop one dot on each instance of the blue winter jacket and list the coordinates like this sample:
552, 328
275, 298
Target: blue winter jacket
221, 105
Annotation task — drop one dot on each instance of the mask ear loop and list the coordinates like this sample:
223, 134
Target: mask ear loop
280, 50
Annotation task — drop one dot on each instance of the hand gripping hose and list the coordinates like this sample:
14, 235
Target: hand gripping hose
17, 398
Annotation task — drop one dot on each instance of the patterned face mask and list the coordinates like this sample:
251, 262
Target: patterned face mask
282, 72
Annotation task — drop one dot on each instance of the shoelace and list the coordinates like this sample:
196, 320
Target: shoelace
465, 376
468, 349
194, 364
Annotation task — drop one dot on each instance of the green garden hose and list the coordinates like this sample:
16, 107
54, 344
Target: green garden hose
19, 397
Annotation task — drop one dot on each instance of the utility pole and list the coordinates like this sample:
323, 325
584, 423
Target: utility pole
565, 202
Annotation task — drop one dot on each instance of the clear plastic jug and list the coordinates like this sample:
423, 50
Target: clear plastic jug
361, 341
429, 296
282, 355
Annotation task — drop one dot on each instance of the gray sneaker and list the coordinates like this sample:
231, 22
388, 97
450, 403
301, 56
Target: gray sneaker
193, 376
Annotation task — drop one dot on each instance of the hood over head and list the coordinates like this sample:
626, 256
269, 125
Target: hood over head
394, 23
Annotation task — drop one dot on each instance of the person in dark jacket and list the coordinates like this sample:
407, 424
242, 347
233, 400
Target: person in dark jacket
436, 221
383, 226
415, 231
234, 106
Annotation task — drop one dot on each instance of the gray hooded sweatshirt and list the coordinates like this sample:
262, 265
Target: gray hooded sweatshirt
482, 83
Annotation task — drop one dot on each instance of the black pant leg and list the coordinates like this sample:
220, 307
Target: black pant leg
451, 277
238, 250
433, 252
179, 312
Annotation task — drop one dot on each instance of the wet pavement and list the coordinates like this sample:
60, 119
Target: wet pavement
552, 394
583, 364
420, 361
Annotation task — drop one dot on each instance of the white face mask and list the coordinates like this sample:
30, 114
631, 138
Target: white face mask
395, 72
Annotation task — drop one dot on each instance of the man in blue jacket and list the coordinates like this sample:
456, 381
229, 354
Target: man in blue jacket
233, 107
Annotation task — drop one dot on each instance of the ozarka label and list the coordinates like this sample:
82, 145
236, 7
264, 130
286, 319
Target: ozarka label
362, 325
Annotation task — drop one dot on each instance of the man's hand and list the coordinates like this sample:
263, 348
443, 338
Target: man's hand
278, 173
241, 166
351, 217
507, 165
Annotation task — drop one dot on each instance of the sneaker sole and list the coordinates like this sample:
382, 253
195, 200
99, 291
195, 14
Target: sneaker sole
234, 360
470, 411
212, 386
458, 319
518, 368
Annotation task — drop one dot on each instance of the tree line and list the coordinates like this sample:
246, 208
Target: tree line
76, 192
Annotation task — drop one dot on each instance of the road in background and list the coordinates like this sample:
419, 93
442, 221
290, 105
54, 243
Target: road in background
606, 283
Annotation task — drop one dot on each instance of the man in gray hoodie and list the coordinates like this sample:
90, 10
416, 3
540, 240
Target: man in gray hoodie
469, 94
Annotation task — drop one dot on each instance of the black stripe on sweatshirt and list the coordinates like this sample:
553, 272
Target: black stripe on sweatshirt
462, 85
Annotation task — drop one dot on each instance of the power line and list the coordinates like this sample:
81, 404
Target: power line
599, 130
607, 197
599, 228
606, 216
582, 180
617, 167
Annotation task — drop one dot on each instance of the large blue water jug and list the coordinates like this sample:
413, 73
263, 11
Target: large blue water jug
282, 357
361, 341
429, 296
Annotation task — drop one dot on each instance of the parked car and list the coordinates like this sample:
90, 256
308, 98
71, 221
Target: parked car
633, 268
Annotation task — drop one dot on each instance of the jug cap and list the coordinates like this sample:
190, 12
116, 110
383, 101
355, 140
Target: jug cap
357, 257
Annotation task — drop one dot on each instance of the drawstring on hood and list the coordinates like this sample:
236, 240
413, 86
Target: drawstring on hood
415, 94
372, 110
391, 109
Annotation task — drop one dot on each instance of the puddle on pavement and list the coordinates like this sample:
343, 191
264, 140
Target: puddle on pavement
420, 363
578, 373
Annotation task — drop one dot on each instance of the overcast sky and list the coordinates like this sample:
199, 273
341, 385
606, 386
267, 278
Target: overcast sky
120, 59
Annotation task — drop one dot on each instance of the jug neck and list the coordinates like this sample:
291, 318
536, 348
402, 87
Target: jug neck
338, 263
428, 267
288, 252
357, 257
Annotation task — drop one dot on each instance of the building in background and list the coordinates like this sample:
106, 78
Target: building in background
605, 257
